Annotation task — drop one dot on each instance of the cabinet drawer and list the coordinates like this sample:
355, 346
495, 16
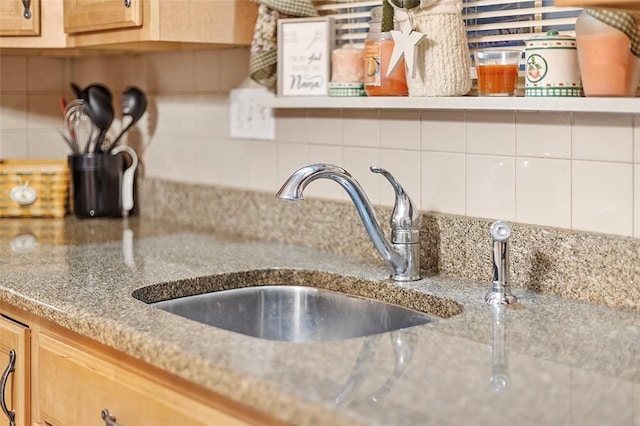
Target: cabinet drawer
19, 19
14, 337
98, 15
77, 385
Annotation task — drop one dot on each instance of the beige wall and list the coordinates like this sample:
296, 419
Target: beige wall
569, 170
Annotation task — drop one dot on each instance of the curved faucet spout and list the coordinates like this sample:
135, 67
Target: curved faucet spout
402, 256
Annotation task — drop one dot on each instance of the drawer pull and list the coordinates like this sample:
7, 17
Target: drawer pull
109, 419
27, 6
11, 415
127, 3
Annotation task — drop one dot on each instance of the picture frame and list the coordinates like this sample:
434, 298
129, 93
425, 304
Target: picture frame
304, 56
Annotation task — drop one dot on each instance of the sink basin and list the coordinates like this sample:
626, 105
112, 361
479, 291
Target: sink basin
294, 313
297, 305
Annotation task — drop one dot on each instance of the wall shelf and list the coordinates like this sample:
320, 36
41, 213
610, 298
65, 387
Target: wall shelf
597, 105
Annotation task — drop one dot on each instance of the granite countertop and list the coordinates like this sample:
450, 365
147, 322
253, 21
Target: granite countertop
547, 361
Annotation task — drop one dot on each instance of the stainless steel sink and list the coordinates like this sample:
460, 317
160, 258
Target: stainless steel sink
294, 313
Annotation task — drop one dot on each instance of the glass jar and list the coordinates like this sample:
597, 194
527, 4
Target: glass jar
377, 53
607, 66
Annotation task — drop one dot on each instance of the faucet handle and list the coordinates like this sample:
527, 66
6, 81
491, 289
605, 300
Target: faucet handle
394, 182
405, 218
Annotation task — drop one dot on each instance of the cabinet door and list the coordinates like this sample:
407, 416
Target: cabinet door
14, 351
97, 15
77, 386
19, 17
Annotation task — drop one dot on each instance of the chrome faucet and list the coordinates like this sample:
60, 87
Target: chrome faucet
403, 252
500, 293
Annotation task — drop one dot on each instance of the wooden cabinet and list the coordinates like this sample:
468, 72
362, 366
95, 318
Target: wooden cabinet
15, 366
20, 18
62, 378
128, 25
43, 30
147, 25
96, 15
79, 385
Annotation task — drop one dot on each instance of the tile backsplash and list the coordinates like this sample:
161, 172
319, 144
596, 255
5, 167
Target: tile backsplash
569, 170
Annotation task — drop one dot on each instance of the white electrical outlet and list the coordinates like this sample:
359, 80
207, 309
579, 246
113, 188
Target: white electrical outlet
249, 118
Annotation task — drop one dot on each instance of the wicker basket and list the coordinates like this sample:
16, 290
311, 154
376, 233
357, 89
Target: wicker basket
34, 188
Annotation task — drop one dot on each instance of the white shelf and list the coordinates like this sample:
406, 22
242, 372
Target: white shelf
603, 105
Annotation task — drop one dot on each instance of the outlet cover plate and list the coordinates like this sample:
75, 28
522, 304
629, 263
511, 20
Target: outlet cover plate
249, 118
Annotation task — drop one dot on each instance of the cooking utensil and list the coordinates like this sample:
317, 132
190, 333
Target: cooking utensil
134, 105
127, 177
77, 90
101, 113
70, 143
78, 124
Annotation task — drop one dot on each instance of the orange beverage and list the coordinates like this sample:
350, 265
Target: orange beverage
377, 54
497, 79
497, 71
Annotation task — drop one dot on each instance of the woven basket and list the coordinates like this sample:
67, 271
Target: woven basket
34, 188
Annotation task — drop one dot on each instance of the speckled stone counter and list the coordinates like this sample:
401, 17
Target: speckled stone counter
548, 361
598, 268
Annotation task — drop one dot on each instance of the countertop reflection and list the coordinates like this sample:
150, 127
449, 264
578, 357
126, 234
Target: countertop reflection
546, 361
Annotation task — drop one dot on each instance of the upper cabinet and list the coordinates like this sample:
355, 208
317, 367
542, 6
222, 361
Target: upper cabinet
20, 18
81, 16
31, 24
127, 25
158, 24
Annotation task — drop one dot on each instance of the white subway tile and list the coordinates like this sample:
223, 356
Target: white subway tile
13, 111
357, 162
543, 134
325, 126
13, 77
636, 138
235, 168
47, 143
262, 165
405, 167
361, 128
636, 201
130, 70
208, 161
207, 70
602, 197
291, 125
87, 71
400, 129
13, 144
156, 158
291, 157
234, 68
442, 131
176, 115
324, 188
44, 112
443, 182
210, 114
171, 72
491, 132
45, 74
490, 187
543, 192
602, 137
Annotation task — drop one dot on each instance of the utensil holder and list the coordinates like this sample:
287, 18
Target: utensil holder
101, 184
